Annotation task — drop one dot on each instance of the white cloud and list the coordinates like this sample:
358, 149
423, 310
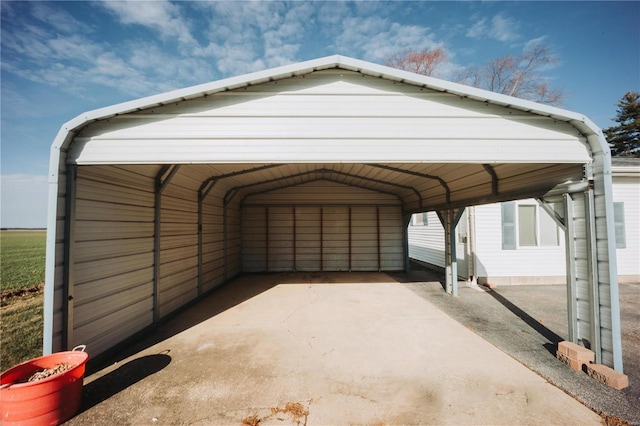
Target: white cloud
159, 15
59, 19
249, 36
501, 28
377, 38
23, 201
478, 29
534, 42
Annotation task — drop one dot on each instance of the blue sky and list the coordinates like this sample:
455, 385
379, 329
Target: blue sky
60, 59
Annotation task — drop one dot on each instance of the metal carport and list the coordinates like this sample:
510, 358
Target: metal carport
312, 166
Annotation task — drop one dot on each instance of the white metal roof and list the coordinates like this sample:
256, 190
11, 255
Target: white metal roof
580, 122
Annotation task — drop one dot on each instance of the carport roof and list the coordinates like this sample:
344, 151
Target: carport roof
382, 175
584, 125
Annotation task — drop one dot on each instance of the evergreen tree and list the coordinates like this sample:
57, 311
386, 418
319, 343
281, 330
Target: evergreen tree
624, 138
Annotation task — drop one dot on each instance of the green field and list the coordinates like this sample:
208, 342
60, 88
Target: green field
22, 258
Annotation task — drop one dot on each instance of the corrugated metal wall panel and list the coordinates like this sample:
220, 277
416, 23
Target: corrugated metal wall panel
321, 192
391, 247
113, 267
112, 329
97, 191
581, 269
607, 278
306, 238
364, 239
234, 242
254, 237
281, 240
335, 239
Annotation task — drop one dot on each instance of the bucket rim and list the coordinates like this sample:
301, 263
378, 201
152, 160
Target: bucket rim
83, 358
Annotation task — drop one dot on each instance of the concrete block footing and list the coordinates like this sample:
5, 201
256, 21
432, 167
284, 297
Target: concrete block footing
608, 376
574, 364
576, 352
581, 359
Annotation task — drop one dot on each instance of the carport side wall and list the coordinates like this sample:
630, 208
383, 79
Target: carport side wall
212, 241
113, 259
111, 277
178, 273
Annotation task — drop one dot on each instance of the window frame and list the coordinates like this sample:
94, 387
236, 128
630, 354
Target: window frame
425, 219
511, 227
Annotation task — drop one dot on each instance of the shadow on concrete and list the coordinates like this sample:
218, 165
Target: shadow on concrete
530, 321
210, 304
124, 376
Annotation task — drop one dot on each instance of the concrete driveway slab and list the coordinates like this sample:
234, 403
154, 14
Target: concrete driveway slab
320, 349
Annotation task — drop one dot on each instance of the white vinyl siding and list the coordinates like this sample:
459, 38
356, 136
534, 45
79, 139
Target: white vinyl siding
426, 243
493, 259
626, 197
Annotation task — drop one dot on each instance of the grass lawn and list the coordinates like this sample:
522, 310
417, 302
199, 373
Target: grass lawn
22, 258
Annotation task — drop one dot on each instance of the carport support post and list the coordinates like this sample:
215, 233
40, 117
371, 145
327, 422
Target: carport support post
406, 220
594, 299
69, 256
203, 191
449, 219
160, 186
572, 305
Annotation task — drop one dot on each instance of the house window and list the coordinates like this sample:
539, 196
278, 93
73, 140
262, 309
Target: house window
527, 225
420, 219
618, 219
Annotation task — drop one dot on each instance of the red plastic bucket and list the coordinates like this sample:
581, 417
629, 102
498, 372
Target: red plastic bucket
49, 401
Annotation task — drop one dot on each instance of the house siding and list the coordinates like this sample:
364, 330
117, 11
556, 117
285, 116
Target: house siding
627, 190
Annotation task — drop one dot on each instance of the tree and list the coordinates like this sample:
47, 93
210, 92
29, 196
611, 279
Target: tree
514, 75
420, 62
624, 138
